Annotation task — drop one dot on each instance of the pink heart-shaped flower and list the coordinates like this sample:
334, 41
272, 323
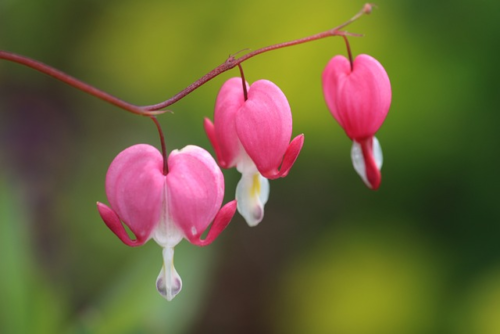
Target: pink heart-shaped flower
142, 197
359, 99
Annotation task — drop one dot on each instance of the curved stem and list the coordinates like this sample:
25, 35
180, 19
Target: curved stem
152, 110
59, 75
163, 146
231, 62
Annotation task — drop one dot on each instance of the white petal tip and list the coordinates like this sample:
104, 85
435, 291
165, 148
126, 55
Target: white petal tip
170, 290
254, 217
168, 283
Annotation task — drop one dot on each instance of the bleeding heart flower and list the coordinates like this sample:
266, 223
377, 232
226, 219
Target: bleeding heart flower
167, 208
253, 135
359, 99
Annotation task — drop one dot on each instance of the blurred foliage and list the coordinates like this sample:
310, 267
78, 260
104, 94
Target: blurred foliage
376, 277
421, 255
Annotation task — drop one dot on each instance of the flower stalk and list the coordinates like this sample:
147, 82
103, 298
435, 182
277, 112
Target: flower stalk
163, 146
155, 109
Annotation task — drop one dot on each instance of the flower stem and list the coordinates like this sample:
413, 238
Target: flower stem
243, 82
61, 76
231, 62
349, 53
163, 146
153, 110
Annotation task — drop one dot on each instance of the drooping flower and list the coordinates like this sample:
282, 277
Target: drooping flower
167, 208
253, 135
359, 98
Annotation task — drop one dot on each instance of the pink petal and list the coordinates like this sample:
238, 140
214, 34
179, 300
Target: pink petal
264, 126
291, 155
222, 219
359, 100
229, 101
369, 162
210, 131
195, 189
134, 186
115, 225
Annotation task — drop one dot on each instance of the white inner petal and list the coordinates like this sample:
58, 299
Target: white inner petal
252, 194
244, 163
377, 153
168, 283
167, 235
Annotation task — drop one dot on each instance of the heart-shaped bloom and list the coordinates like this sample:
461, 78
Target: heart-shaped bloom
253, 135
167, 208
359, 98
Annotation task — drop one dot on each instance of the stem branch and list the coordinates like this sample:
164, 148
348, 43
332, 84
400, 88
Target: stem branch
153, 110
231, 62
59, 75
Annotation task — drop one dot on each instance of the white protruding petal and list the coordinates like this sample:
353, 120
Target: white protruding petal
359, 162
252, 194
377, 153
245, 164
252, 191
168, 283
166, 233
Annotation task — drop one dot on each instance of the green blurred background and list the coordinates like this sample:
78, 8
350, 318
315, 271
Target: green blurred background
421, 255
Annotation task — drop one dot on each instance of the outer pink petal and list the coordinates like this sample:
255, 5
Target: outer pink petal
334, 74
195, 189
229, 101
222, 219
210, 131
359, 100
373, 175
134, 187
115, 225
264, 126
291, 155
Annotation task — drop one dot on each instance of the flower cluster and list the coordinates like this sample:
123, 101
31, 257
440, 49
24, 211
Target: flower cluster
252, 131
181, 201
170, 197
